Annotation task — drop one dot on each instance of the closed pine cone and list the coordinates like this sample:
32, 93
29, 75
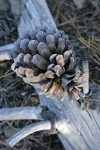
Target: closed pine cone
44, 58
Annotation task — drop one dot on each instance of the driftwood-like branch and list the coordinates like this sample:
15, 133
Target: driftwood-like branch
20, 113
5, 52
43, 125
78, 129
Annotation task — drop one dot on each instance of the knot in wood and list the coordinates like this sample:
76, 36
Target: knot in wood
49, 115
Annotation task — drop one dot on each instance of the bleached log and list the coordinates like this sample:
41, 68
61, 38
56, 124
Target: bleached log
21, 113
78, 129
35, 13
43, 125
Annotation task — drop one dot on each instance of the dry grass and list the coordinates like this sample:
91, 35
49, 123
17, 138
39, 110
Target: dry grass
82, 26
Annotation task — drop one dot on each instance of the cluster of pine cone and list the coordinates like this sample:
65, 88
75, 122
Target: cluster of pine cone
44, 58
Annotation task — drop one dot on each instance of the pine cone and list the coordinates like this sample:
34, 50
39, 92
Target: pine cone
44, 58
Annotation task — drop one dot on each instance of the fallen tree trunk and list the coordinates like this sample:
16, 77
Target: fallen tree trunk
78, 129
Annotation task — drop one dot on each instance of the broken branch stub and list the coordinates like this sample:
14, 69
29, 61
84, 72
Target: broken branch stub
21, 113
5, 52
43, 125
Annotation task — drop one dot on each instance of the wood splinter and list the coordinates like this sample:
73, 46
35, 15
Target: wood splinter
85, 66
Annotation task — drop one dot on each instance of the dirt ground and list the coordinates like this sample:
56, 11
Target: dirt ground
82, 25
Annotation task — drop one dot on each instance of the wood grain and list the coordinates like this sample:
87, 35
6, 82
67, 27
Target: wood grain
78, 129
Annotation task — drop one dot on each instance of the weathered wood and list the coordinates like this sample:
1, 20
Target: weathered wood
5, 52
43, 125
35, 13
79, 129
85, 66
21, 113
